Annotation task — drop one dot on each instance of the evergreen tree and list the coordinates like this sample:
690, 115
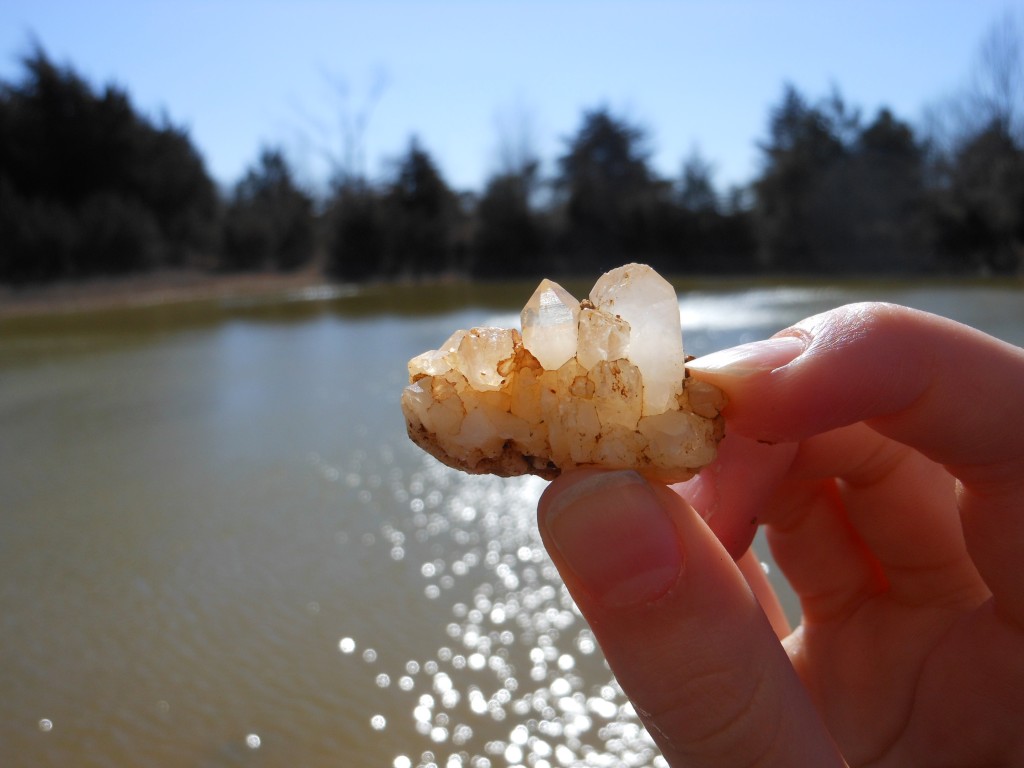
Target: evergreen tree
696, 188
421, 212
885, 216
509, 239
981, 207
611, 198
358, 241
88, 186
802, 151
269, 222
711, 237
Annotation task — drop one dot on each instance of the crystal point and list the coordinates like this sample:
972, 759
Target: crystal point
549, 322
647, 301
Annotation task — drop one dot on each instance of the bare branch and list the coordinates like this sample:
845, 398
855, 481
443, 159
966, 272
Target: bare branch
517, 141
998, 80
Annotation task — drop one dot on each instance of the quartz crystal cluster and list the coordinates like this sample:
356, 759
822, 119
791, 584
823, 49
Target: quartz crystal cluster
593, 383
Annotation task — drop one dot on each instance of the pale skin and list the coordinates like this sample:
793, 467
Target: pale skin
883, 450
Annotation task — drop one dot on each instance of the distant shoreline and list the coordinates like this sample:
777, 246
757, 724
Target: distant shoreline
165, 287
169, 287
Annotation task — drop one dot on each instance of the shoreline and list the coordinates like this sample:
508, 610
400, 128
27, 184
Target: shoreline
170, 287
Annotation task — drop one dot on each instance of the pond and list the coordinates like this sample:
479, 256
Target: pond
218, 548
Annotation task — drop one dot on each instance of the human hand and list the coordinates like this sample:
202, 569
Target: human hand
883, 448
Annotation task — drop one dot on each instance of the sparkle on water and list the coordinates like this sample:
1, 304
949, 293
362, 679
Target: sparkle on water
519, 679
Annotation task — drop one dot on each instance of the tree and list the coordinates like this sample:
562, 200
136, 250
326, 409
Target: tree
269, 221
421, 211
407, 229
358, 241
840, 196
996, 97
803, 148
611, 198
169, 178
89, 186
696, 189
510, 238
710, 236
981, 210
976, 171
349, 167
885, 218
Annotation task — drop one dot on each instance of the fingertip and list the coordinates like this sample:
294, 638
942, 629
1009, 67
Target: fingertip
678, 623
610, 537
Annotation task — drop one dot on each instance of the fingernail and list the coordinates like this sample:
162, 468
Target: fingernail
755, 357
614, 534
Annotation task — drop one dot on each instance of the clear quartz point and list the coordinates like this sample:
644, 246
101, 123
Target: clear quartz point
549, 322
647, 301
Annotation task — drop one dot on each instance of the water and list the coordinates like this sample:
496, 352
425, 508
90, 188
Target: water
218, 548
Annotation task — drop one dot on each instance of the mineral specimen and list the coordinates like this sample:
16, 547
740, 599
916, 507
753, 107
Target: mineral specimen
597, 383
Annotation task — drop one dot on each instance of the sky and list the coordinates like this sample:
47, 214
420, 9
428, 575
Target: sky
473, 78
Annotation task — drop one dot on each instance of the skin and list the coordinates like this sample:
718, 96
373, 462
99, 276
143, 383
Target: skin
883, 450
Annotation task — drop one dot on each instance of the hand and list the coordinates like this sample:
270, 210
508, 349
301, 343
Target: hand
883, 448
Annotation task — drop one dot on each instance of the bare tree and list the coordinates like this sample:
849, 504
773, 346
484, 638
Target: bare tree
997, 84
517, 159
517, 140
341, 142
353, 124
993, 97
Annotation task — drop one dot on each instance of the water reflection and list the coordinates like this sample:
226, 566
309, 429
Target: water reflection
519, 679
516, 678
217, 546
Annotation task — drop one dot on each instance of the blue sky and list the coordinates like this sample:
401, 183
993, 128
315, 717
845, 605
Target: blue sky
240, 74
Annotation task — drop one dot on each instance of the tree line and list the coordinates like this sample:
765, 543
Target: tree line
89, 186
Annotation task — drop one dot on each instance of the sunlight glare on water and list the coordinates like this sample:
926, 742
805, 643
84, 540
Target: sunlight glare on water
518, 676
220, 547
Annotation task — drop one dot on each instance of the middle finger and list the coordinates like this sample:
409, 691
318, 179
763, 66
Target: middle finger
900, 504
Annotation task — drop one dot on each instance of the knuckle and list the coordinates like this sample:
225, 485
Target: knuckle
722, 716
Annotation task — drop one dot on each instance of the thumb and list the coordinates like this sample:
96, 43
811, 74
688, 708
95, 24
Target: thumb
679, 626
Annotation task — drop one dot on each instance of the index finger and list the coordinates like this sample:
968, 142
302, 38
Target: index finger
949, 391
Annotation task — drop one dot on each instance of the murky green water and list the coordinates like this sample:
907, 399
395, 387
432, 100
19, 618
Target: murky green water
218, 548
